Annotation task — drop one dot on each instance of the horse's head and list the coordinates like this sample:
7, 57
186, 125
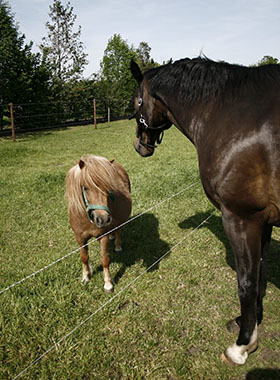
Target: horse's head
97, 203
151, 116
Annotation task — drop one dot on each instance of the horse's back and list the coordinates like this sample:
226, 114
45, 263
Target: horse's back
122, 176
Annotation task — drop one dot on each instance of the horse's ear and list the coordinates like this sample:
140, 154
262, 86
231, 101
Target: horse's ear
136, 72
112, 160
81, 164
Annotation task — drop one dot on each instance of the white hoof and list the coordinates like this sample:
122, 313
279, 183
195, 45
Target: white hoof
87, 275
118, 249
85, 278
235, 355
109, 288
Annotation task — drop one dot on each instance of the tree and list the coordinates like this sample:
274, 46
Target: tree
267, 59
144, 58
23, 76
62, 49
115, 77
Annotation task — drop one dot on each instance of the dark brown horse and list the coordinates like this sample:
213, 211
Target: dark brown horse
99, 200
232, 116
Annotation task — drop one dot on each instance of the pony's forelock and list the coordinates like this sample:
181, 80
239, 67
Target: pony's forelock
98, 174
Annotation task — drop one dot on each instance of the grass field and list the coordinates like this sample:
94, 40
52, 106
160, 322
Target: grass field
170, 322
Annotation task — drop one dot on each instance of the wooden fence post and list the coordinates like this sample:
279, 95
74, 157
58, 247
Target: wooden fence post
12, 122
108, 114
94, 113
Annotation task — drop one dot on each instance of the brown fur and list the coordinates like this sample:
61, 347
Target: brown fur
100, 177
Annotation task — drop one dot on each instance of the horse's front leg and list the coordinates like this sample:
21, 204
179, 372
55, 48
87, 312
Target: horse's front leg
105, 262
245, 238
84, 258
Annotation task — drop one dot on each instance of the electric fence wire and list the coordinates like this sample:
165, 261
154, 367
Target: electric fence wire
109, 301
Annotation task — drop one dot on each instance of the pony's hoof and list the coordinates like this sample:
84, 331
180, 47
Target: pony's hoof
87, 275
118, 249
233, 327
109, 288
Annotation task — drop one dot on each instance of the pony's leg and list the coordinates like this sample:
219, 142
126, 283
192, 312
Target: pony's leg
245, 239
118, 247
84, 259
105, 262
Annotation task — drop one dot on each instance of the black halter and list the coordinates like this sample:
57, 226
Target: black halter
141, 121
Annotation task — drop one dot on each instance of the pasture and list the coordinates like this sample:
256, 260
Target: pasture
168, 323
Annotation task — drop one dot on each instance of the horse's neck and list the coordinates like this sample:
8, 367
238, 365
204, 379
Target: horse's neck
188, 119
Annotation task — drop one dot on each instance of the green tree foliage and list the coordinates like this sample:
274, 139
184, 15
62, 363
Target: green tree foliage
23, 77
144, 57
62, 49
115, 84
267, 59
115, 81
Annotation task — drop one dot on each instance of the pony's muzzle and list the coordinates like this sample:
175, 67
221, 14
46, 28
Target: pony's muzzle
101, 218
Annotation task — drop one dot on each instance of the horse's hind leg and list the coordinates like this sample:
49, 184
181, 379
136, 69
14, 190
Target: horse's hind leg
105, 262
234, 325
245, 238
266, 236
118, 247
117, 237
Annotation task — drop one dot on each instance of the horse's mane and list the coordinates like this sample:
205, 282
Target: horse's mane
98, 174
201, 79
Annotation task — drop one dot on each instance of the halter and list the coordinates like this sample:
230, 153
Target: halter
143, 122
91, 207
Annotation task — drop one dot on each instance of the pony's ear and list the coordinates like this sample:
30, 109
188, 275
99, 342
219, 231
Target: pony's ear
136, 72
81, 164
112, 160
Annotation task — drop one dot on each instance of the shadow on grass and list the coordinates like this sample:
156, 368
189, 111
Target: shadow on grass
215, 225
263, 374
140, 242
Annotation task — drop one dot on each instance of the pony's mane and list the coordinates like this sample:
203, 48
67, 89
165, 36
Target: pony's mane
98, 174
201, 79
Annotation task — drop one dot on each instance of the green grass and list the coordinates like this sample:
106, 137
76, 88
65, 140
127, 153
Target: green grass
170, 323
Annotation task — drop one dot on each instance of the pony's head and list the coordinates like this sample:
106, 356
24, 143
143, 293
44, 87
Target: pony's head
151, 115
89, 188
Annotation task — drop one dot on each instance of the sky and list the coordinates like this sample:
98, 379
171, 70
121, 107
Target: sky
235, 31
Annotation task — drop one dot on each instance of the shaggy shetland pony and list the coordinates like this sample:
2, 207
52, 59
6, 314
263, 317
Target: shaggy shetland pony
98, 193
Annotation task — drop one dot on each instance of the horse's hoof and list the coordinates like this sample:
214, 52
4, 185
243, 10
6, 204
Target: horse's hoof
109, 288
233, 327
226, 360
118, 249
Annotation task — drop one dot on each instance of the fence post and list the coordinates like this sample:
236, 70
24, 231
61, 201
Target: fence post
94, 113
108, 114
12, 122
